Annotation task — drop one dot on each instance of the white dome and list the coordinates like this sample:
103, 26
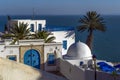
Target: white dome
79, 50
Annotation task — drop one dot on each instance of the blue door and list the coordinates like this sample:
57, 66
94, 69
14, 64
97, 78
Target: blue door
32, 58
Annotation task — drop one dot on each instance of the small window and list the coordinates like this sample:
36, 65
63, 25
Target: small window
32, 27
81, 63
65, 44
12, 57
51, 59
39, 27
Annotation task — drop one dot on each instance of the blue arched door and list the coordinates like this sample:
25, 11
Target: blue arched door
32, 58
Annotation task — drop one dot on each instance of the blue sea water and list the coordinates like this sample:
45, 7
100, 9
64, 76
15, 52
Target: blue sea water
106, 45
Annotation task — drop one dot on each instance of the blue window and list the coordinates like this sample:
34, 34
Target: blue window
39, 27
81, 63
12, 57
65, 44
51, 59
32, 27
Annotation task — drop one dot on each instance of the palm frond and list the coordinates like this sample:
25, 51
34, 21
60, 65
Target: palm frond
44, 35
91, 21
82, 28
50, 39
20, 31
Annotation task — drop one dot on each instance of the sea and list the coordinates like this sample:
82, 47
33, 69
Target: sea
106, 45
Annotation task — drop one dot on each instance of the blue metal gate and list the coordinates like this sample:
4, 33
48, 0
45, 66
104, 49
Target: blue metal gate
32, 58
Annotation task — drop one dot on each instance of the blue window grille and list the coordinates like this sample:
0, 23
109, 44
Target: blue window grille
32, 27
51, 59
11, 57
65, 44
39, 27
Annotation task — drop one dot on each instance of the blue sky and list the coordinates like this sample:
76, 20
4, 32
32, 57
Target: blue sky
58, 7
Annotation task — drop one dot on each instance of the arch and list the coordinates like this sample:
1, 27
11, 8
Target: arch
32, 58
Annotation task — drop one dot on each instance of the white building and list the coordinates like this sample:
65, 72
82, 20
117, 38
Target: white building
76, 64
59, 33
47, 56
61, 36
34, 25
78, 53
34, 53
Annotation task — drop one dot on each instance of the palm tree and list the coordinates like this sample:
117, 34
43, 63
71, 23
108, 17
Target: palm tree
18, 32
91, 22
44, 35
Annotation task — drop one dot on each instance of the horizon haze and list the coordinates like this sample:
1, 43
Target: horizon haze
58, 7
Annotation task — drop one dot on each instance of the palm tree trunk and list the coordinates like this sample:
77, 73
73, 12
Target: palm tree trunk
90, 39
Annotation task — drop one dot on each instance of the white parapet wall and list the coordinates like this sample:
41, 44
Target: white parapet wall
11, 70
31, 42
71, 72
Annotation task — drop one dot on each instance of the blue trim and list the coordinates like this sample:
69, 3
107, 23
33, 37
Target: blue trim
32, 58
32, 27
51, 59
65, 44
12, 58
39, 27
56, 28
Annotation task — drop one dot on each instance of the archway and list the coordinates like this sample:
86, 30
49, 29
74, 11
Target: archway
32, 58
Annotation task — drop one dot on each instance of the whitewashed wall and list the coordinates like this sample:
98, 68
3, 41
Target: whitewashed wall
60, 36
51, 48
11, 70
71, 72
6, 50
29, 22
77, 62
35, 22
31, 42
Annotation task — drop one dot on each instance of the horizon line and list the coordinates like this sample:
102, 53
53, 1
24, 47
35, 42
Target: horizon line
52, 14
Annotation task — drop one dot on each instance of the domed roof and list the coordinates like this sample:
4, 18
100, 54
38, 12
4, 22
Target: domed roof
79, 50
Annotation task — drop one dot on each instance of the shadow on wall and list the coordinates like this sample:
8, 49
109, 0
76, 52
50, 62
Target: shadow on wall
11, 70
71, 72
22, 72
